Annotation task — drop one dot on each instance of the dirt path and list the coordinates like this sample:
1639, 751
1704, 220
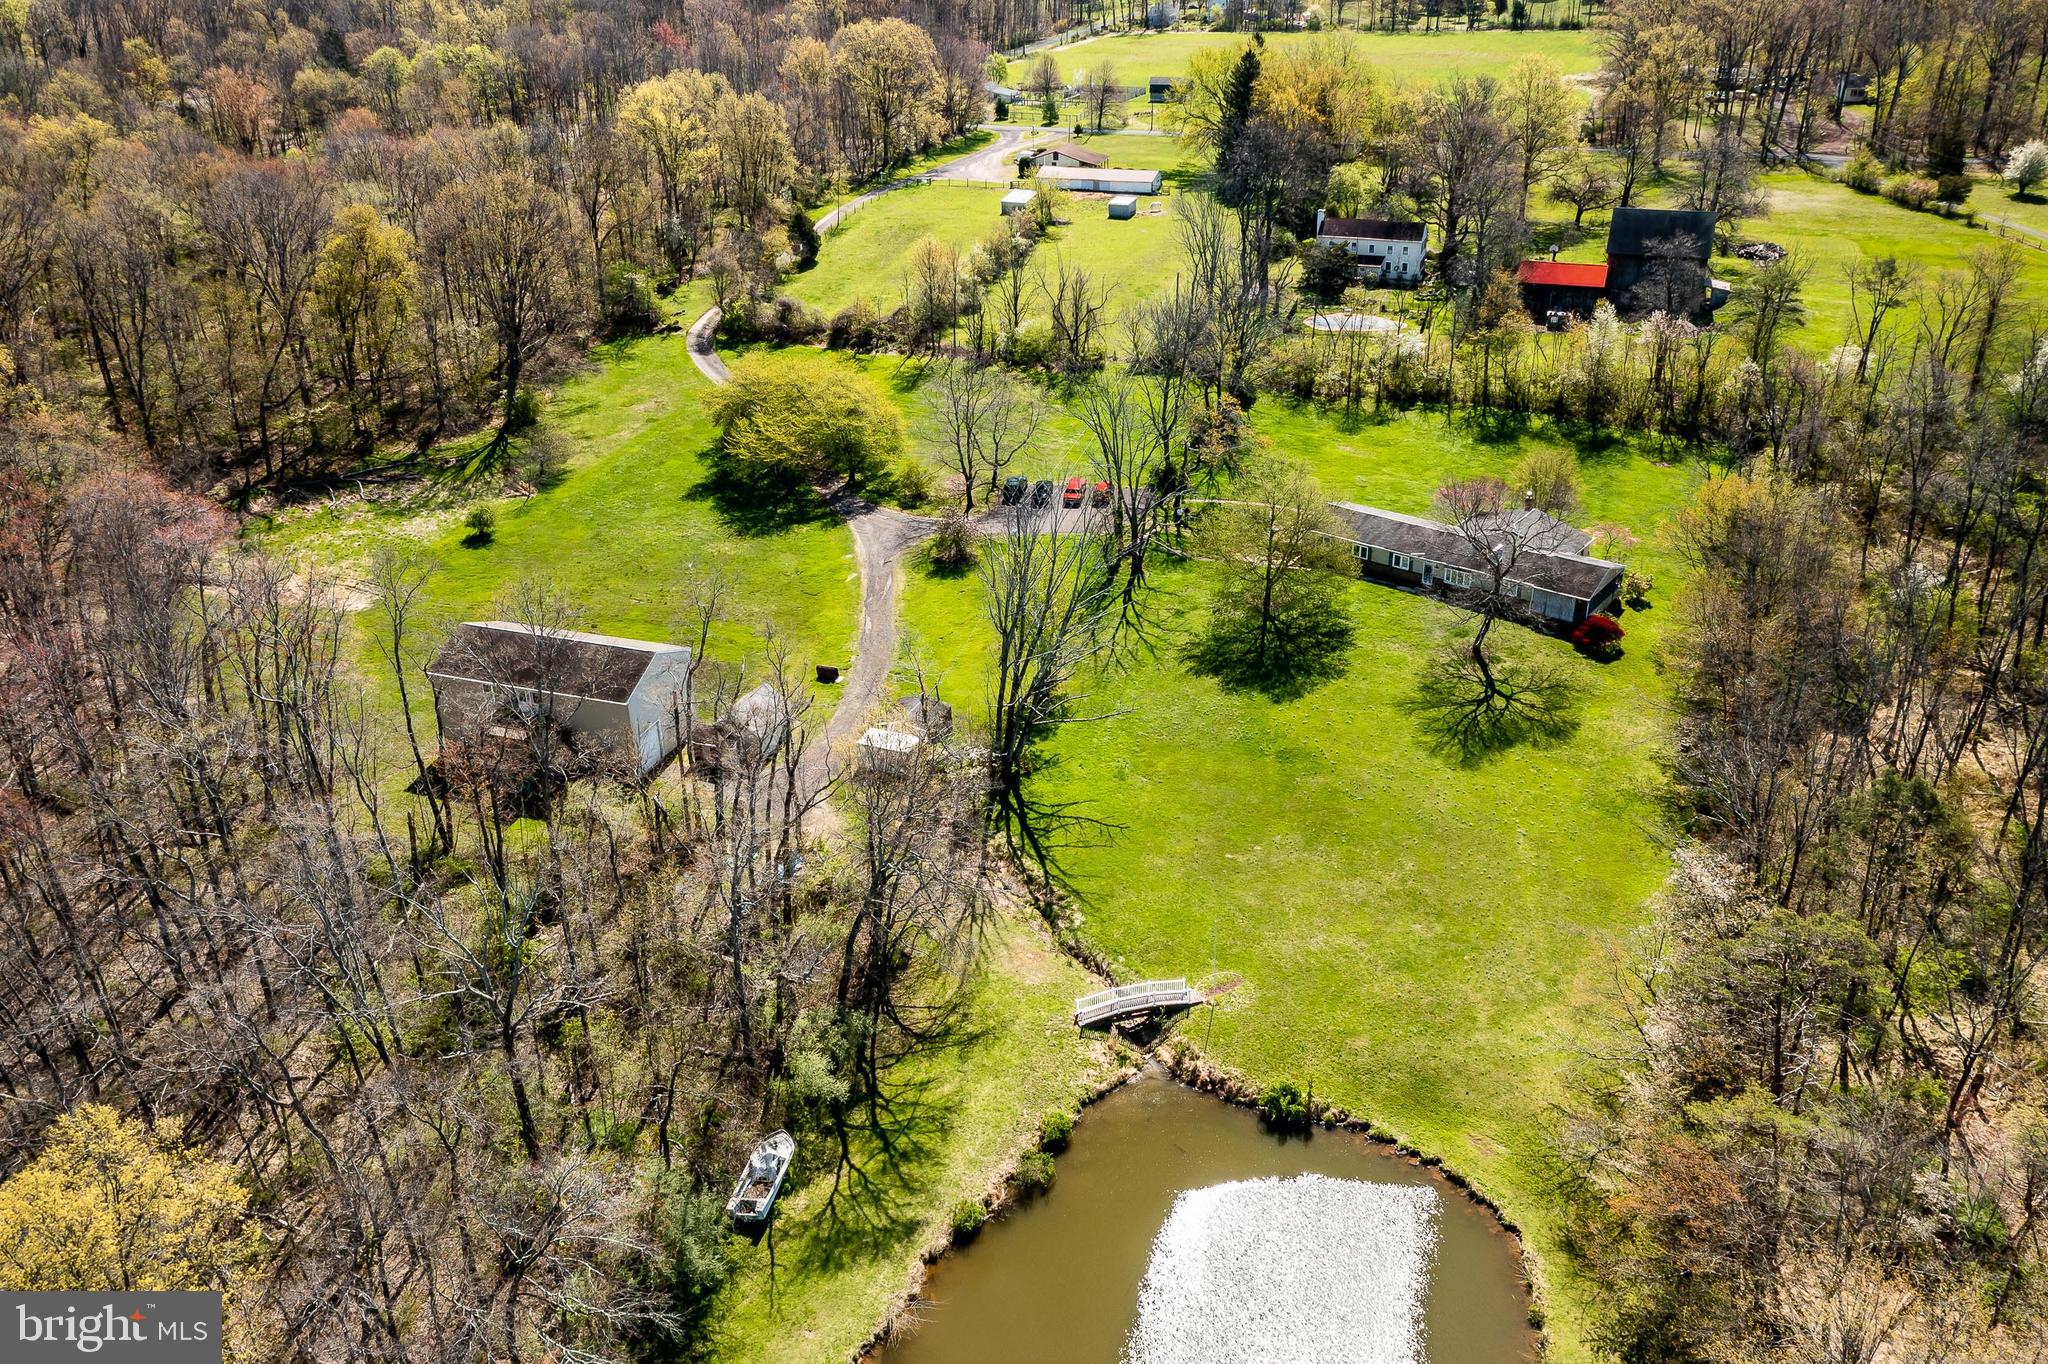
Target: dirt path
881, 535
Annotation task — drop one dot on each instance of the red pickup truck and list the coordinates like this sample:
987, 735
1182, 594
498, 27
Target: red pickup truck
1074, 491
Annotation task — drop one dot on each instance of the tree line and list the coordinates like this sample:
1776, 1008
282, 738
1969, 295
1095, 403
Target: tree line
474, 1034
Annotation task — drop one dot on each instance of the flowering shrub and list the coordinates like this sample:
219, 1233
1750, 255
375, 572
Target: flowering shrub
1911, 191
1597, 634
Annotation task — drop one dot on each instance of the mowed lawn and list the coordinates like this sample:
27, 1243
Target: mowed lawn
1833, 228
632, 519
867, 253
1130, 260
1413, 57
1415, 935
618, 537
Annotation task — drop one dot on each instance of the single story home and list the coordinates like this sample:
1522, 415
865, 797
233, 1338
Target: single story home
1018, 200
1070, 154
1124, 206
1552, 572
1101, 180
1383, 249
1163, 88
624, 697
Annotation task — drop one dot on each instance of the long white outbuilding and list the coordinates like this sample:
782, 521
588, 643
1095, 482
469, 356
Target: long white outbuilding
1101, 179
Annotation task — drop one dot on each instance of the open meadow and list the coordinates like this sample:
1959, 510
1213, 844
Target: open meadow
1411, 57
1412, 934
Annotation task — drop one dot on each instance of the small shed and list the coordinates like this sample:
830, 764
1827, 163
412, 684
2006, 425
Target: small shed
887, 751
1019, 200
755, 727
927, 716
1124, 206
1162, 88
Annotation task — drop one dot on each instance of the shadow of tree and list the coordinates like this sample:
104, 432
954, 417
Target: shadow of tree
753, 504
1294, 654
880, 1192
1469, 719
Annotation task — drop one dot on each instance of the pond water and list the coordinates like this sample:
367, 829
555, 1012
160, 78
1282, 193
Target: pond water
1058, 1279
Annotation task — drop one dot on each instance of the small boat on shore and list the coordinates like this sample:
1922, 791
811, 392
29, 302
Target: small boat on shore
761, 1181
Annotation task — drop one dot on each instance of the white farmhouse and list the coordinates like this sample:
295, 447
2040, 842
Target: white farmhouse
1391, 251
623, 697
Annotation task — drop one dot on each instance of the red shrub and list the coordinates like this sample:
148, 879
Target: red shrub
1597, 634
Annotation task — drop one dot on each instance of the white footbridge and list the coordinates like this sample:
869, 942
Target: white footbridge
1139, 997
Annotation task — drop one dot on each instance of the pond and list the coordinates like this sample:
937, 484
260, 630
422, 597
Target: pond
1059, 1278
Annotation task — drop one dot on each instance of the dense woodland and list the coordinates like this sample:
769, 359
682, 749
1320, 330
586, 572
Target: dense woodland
462, 1058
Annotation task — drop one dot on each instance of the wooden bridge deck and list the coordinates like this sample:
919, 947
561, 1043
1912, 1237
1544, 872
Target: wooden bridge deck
1144, 996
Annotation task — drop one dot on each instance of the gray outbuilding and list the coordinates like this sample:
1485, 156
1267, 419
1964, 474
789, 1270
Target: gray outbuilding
606, 695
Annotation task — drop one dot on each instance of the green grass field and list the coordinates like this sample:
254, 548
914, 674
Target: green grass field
1415, 57
865, 254
1414, 934
632, 518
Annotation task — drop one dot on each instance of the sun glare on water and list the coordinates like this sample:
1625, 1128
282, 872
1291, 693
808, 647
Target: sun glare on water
1301, 1269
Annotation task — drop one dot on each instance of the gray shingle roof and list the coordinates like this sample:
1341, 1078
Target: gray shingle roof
1379, 229
563, 662
1631, 230
1074, 151
1553, 568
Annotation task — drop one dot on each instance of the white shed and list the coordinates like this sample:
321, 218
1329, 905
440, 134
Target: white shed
887, 751
1101, 179
624, 696
1018, 200
1124, 206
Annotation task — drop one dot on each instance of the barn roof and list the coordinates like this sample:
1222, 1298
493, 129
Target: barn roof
1566, 573
1378, 229
562, 662
1631, 231
1074, 151
1146, 181
1569, 274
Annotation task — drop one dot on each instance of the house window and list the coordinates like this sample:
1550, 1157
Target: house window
1361, 551
1398, 560
1457, 577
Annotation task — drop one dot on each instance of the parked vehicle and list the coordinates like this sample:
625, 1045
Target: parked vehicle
1013, 489
1041, 492
1071, 497
1101, 493
754, 1196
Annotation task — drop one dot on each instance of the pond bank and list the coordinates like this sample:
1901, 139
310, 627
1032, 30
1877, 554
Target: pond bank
1084, 1246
